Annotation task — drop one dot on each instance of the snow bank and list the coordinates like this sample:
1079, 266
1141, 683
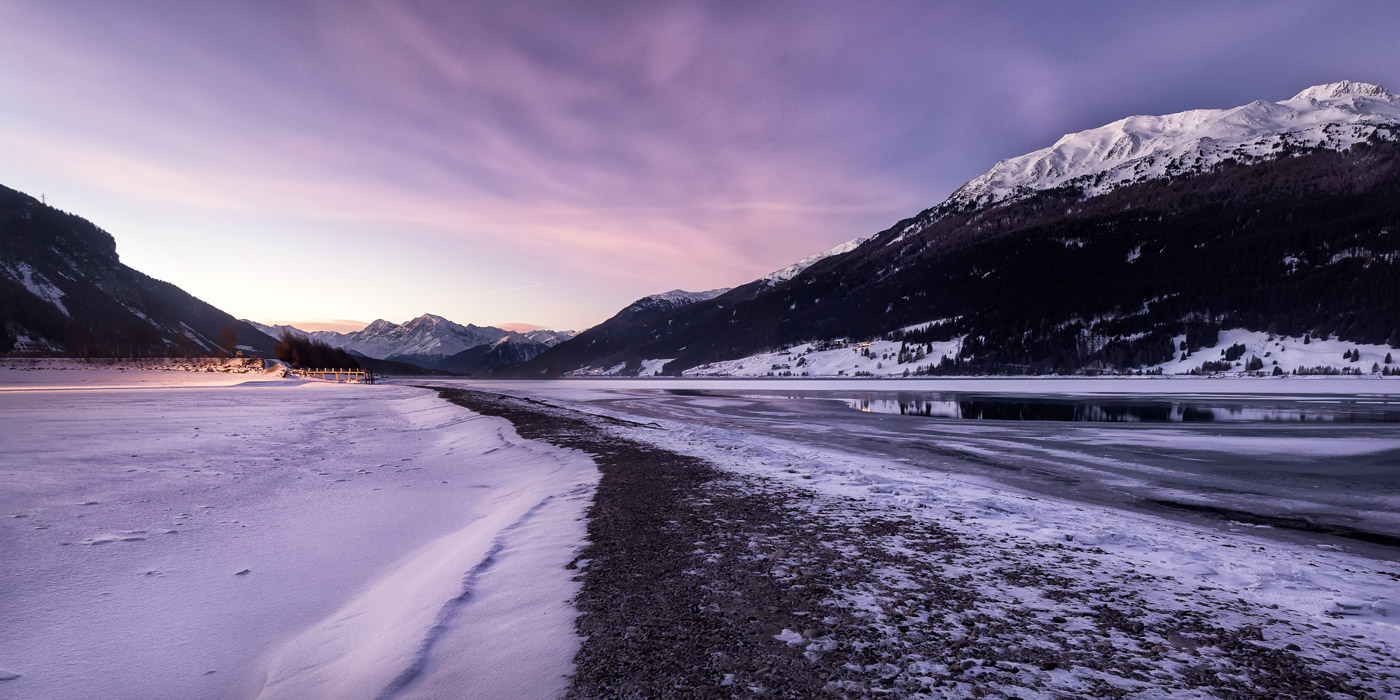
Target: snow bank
281, 539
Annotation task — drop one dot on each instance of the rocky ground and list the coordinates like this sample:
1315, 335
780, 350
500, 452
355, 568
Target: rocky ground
707, 582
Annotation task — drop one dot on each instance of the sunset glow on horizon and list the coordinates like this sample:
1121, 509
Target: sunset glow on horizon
541, 165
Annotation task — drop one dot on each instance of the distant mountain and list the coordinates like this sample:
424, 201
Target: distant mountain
1129, 246
432, 342
673, 299
510, 350
622, 338
549, 338
276, 331
64, 290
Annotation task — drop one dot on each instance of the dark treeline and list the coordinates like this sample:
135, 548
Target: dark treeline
1056, 282
302, 352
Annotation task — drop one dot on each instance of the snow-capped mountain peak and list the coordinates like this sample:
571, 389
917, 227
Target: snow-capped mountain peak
673, 299
1332, 116
379, 326
1332, 91
796, 268
548, 337
680, 297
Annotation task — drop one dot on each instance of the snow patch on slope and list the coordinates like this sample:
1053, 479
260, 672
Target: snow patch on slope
1286, 353
38, 285
796, 268
878, 358
680, 297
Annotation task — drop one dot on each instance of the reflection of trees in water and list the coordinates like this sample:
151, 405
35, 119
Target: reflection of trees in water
1109, 412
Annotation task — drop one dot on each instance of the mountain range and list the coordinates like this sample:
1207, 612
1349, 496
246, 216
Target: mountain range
1137, 246
1120, 248
64, 290
433, 342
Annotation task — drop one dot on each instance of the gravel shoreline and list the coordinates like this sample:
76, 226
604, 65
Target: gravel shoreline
703, 582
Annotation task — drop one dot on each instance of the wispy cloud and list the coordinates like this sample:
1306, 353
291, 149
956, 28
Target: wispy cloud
399, 156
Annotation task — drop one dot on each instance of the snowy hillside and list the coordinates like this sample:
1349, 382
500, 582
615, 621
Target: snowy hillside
888, 358
673, 299
796, 268
1333, 116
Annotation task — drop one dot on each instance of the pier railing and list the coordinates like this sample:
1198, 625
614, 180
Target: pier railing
344, 376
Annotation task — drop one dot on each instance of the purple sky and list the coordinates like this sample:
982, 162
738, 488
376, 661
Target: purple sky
548, 163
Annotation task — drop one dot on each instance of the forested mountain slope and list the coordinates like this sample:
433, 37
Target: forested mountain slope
64, 290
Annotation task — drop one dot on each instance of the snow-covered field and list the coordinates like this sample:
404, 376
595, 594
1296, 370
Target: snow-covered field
209, 535
882, 358
878, 358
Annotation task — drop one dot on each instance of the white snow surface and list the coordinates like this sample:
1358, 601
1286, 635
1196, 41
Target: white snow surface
279, 539
1287, 353
880, 358
796, 268
1333, 116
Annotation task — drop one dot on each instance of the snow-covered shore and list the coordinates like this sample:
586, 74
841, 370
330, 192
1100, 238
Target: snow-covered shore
278, 539
926, 582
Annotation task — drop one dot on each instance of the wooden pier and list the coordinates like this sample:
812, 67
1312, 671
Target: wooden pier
344, 376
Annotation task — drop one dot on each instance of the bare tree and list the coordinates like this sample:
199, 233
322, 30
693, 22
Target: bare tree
228, 338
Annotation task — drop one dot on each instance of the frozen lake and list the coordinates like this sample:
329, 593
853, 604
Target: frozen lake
209, 535
1316, 461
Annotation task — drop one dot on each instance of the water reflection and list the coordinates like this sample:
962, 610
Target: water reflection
1109, 411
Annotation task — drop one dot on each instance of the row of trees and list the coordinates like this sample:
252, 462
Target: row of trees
302, 352
139, 340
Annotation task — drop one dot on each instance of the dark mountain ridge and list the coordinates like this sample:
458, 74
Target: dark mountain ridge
1056, 281
64, 290
511, 350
